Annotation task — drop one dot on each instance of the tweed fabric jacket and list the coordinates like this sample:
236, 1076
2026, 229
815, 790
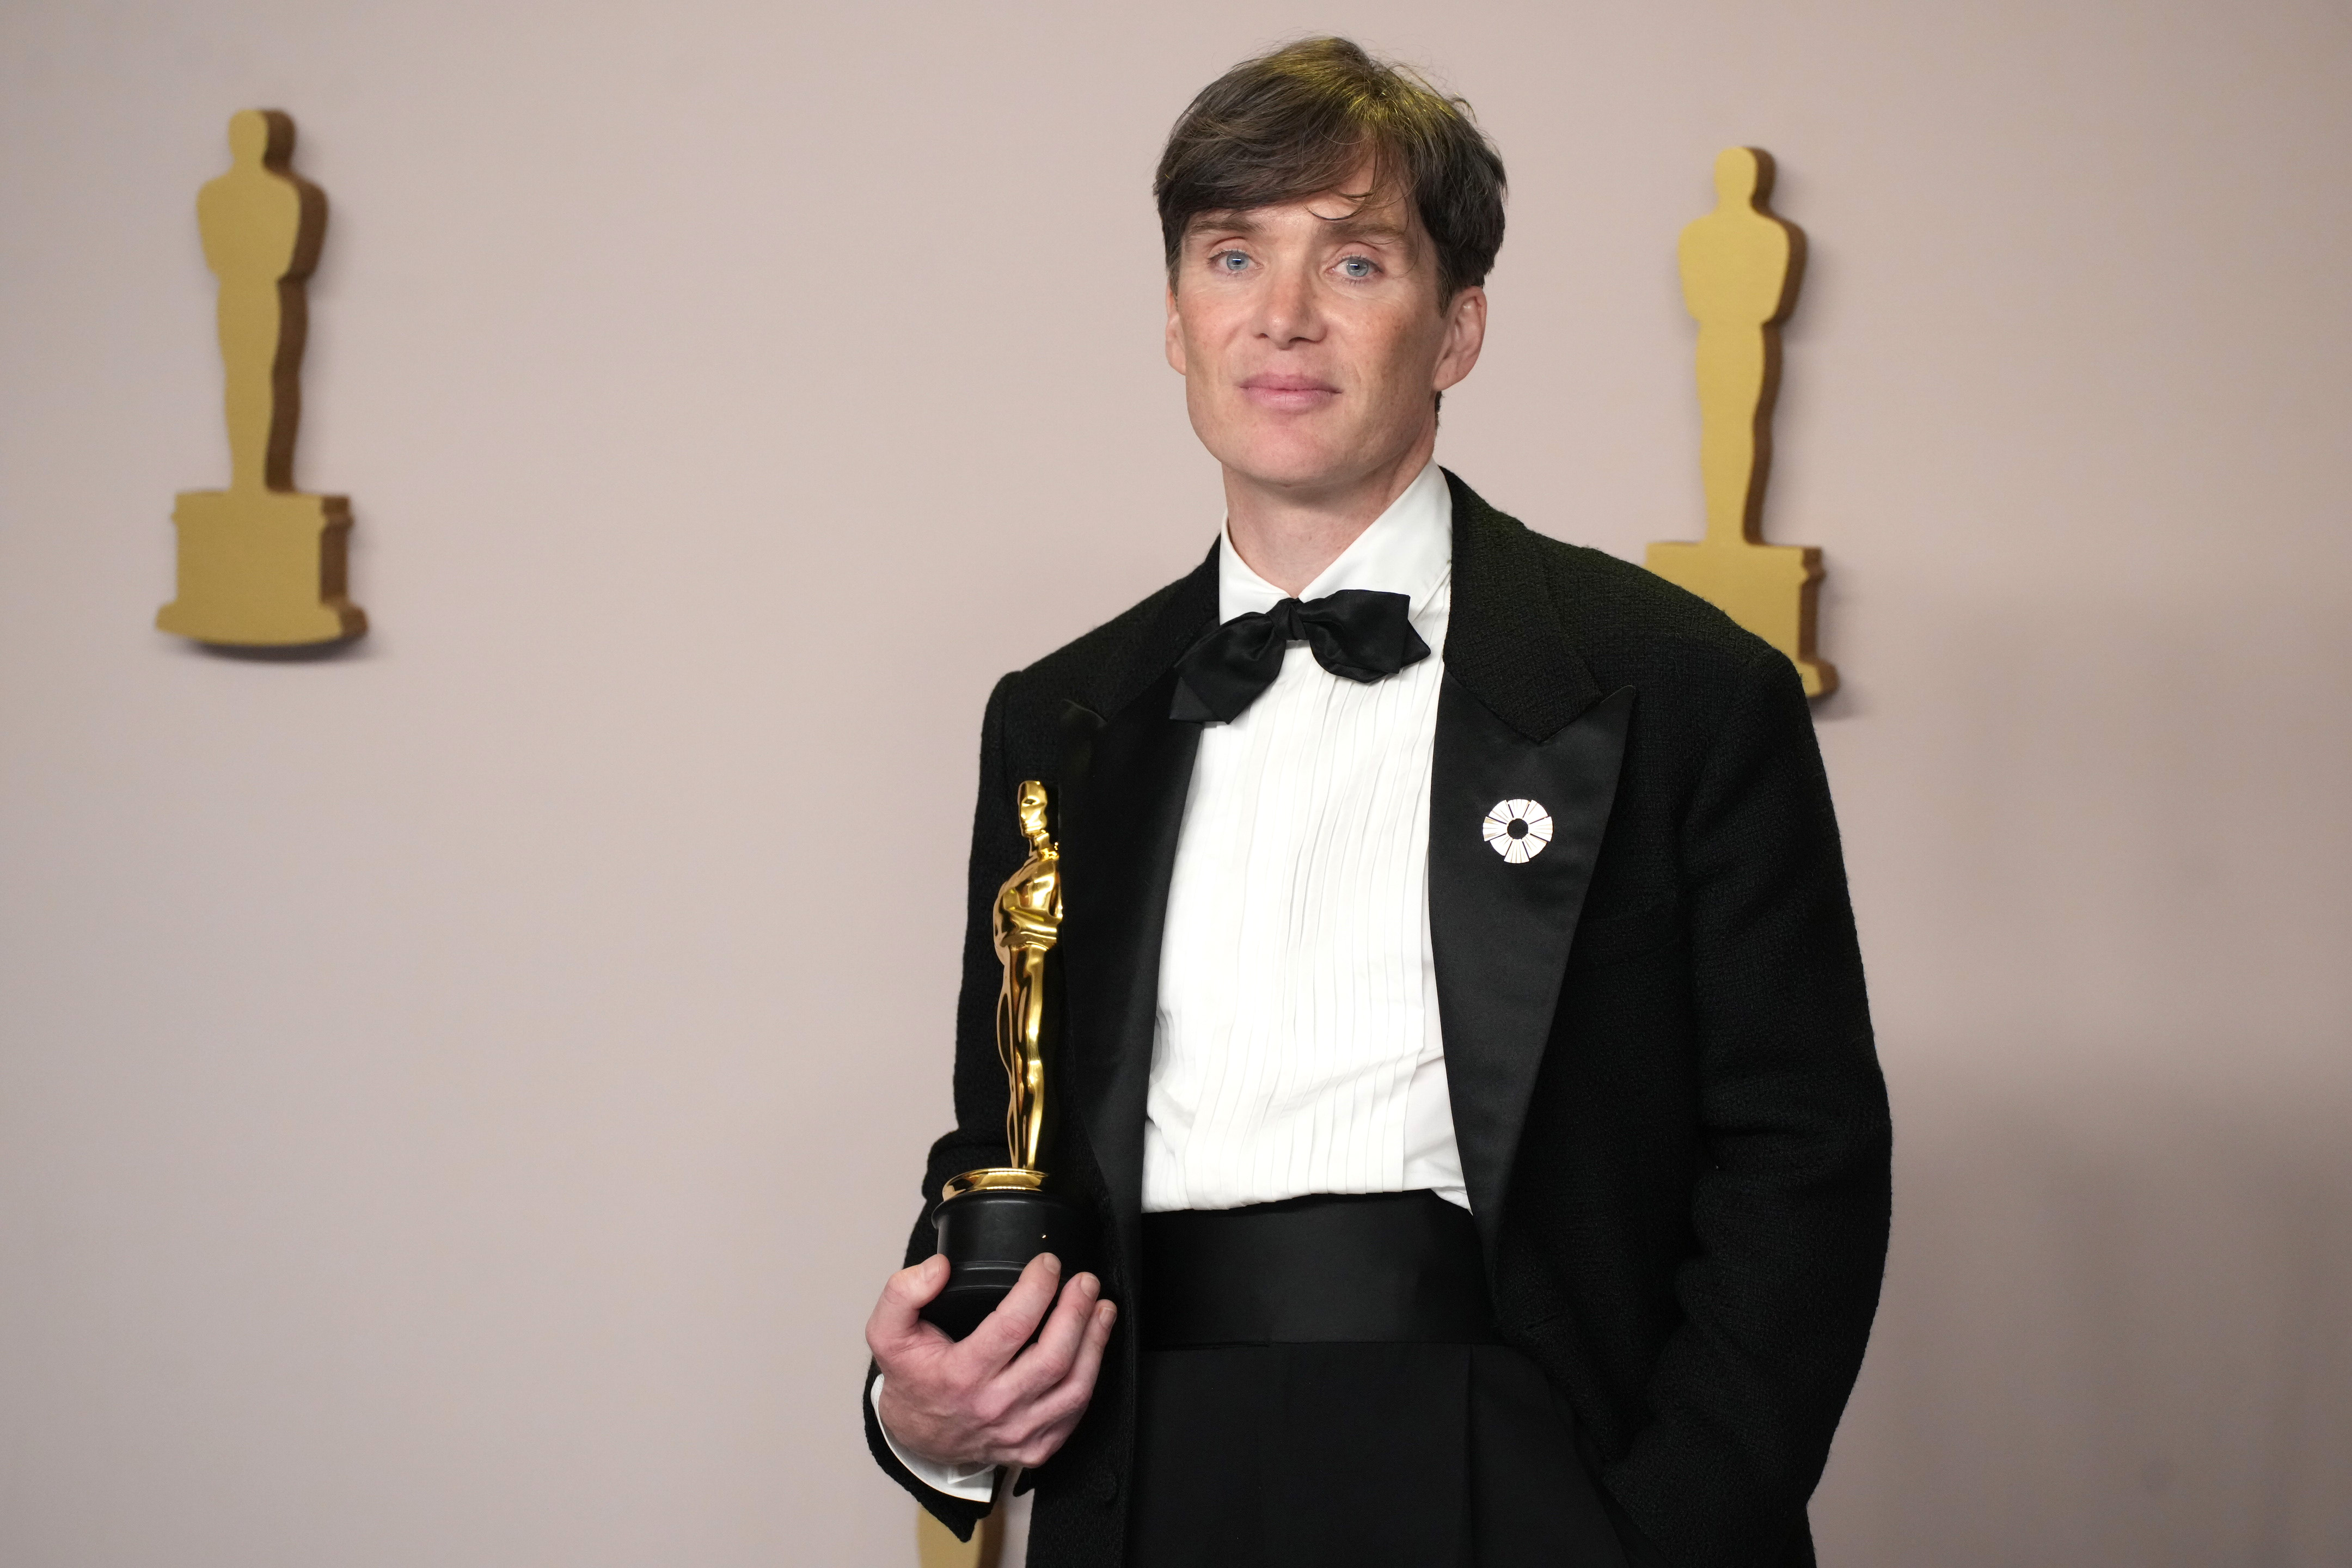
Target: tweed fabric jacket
1669, 1105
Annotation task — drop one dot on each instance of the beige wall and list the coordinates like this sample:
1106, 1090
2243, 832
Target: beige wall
457, 1100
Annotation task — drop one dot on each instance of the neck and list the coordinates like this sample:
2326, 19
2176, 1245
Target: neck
1288, 533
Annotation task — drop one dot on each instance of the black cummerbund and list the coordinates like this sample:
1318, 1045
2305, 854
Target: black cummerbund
1379, 1267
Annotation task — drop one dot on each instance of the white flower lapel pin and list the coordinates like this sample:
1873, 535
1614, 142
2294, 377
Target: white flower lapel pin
1518, 830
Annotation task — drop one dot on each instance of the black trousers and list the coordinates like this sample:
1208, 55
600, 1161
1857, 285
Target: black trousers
1321, 1387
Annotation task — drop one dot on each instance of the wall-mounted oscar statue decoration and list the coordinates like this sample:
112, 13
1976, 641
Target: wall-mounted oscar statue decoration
1740, 267
261, 565
937, 1547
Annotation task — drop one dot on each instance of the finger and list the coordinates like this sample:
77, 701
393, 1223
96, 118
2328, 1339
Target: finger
1004, 1331
1059, 1411
895, 1318
1043, 1365
1077, 1385
1044, 1446
1053, 1414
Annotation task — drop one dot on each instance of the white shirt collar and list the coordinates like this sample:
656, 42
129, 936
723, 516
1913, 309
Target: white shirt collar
1408, 550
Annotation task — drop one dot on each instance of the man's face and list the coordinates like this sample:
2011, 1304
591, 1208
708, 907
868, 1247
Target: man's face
1311, 339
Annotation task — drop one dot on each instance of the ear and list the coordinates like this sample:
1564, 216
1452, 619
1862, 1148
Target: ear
1175, 333
1466, 334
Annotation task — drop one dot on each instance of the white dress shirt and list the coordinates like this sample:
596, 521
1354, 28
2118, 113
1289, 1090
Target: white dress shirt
1297, 1048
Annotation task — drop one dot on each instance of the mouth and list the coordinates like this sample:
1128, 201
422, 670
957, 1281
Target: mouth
1288, 394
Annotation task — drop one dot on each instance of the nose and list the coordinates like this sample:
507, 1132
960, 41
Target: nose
1287, 307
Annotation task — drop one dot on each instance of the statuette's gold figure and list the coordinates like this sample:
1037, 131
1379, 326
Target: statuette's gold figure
1026, 925
1740, 266
261, 564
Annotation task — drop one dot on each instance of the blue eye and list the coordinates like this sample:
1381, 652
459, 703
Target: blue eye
1229, 261
1356, 267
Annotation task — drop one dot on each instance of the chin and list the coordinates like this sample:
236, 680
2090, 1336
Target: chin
1290, 459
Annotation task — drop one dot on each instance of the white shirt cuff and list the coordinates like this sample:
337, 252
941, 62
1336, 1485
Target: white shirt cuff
972, 1483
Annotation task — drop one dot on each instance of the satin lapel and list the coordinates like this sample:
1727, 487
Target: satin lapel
1518, 718
1500, 931
1118, 853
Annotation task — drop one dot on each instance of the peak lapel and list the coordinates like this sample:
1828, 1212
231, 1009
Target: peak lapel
1519, 720
1128, 776
1118, 861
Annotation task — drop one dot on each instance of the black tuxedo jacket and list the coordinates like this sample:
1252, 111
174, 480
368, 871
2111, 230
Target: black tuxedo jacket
1670, 1112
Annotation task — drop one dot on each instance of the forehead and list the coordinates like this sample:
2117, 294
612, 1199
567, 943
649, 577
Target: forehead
1349, 212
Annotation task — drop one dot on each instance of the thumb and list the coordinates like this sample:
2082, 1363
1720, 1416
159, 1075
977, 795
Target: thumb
908, 1290
926, 1280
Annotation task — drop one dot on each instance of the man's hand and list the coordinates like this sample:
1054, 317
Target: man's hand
985, 1400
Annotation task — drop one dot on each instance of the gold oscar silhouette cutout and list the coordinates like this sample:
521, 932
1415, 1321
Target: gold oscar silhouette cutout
1024, 926
937, 1547
260, 564
1740, 266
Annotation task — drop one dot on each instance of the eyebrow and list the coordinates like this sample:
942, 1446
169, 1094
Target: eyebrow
1355, 226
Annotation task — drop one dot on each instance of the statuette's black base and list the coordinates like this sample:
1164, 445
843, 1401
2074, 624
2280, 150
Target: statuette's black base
988, 1237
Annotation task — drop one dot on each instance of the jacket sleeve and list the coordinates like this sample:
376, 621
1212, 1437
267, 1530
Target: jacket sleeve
978, 1137
1789, 1209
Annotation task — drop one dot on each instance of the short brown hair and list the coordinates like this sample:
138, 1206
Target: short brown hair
1299, 122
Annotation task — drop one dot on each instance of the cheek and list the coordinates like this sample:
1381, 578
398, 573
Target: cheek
1208, 377
1209, 401
1409, 362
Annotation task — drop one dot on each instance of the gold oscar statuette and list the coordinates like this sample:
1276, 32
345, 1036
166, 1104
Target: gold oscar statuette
992, 1221
1026, 925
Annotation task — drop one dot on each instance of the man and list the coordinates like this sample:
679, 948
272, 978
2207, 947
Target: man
1467, 1055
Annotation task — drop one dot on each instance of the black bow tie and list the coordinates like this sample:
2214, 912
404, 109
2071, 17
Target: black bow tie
1356, 633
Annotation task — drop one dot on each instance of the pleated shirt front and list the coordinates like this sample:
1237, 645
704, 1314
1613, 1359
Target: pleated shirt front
1297, 1047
